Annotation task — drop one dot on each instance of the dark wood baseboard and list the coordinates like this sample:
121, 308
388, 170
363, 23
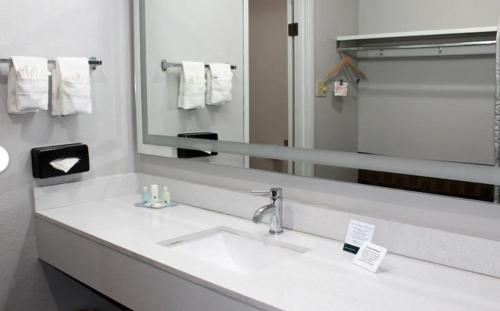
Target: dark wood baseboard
452, 188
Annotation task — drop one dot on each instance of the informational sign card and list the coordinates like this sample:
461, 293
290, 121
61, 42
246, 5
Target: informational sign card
357, 234
370, 256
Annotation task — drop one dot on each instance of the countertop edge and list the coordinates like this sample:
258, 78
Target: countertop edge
165, 268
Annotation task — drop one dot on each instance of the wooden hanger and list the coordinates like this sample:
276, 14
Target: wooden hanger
345, 61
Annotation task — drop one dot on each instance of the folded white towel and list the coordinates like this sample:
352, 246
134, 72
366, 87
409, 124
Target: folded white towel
220, 84
71, 87
193, 86
28, 85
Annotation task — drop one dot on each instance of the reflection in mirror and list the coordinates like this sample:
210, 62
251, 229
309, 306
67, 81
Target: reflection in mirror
270, 109
4, 159
361, 80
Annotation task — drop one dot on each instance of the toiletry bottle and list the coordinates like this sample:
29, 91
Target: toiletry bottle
154, 193
145, 195
166, 196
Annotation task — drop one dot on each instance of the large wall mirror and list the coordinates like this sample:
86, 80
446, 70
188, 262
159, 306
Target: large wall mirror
386, 93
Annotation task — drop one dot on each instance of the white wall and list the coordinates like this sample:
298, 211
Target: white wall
194, 30
411, 15
60, 28
336, 118
440, 108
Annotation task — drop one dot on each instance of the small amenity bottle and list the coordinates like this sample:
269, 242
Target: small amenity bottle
154, 193
145, 195
166, 196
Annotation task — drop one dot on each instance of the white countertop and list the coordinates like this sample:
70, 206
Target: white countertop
321, 279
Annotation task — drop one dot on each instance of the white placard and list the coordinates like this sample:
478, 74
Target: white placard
341, 88
370, 256
357, 234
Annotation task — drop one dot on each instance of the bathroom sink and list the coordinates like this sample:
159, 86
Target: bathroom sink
234, 250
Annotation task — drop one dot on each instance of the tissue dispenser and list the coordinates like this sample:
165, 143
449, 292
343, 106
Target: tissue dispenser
41, 158
189, 154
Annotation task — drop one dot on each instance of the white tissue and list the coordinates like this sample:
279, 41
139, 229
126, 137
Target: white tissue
64, 165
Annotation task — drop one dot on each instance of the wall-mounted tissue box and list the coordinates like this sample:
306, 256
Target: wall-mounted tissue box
189, 154
60, 160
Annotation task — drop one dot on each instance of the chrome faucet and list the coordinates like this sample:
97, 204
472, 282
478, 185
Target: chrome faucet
276, 208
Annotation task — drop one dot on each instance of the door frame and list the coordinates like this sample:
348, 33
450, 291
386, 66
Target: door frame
304, 83
291, 83
301, 77
246, 78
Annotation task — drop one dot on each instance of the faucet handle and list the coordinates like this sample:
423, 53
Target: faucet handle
260, 191
274, 192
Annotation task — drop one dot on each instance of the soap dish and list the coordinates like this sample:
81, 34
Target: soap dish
157, 205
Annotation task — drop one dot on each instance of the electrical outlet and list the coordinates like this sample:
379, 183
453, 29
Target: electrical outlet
320, 88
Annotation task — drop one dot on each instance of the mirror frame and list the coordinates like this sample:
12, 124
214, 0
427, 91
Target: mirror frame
165, 145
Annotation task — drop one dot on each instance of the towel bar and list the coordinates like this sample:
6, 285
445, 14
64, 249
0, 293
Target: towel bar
93, 62
165, 65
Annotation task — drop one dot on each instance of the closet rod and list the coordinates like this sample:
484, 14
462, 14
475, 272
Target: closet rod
165, 65
412, 46
93, 62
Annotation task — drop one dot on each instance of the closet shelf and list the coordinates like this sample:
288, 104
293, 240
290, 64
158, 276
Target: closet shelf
480, 40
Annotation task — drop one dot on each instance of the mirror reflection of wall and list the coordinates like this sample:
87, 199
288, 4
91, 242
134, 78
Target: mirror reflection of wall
212, 34
432, 107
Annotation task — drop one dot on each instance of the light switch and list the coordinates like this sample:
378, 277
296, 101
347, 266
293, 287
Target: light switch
320, 88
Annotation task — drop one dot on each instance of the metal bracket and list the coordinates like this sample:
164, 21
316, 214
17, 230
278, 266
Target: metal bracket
94, 62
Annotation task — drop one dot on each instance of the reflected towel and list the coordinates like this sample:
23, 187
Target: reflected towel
192, 86
219, 84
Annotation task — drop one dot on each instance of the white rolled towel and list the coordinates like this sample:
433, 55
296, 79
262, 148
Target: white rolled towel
71, 86
219, 84
192, 86
28, 85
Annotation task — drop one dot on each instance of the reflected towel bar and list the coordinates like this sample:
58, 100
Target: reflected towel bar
165, 65
93, 62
